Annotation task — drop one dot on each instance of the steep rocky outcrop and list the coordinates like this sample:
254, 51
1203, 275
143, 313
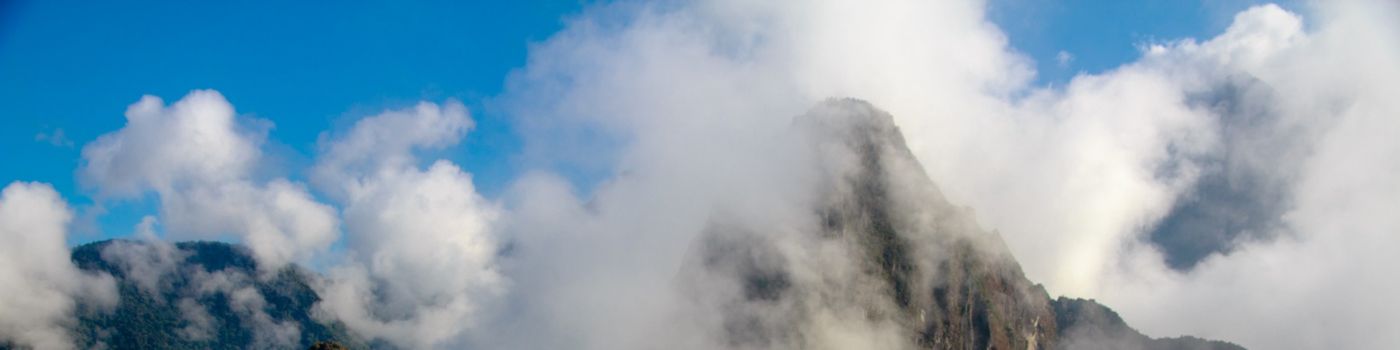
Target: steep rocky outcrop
1088, 325
894, 256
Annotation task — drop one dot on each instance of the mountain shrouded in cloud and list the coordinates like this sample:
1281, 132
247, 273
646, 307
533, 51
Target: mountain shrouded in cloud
881, 260
870, 255
1239, 187
1103, 188
199, 295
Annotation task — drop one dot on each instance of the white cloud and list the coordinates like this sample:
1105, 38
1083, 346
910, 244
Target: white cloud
197, 156
192, 142
1337, 237
386, 142
39, 286
1063, 58
421, 248
56, 138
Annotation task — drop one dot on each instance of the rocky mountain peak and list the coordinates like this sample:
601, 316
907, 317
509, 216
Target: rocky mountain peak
886, 258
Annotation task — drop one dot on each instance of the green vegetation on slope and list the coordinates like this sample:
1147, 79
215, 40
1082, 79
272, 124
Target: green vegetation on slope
207, 300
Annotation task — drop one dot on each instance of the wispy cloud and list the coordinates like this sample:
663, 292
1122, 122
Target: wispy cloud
55, 137
1063, 58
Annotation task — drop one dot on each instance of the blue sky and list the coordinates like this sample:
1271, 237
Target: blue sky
74, 66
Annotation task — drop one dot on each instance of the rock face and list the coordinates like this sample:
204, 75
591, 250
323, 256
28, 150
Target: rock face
888, 261
1087, 325
321, 345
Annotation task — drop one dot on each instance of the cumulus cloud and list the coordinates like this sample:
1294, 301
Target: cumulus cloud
387, 142
1324, 88
418, 256
199, 158
41, 287
195, 140
420, 243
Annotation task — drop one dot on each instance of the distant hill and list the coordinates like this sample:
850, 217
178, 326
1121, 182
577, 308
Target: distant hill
204, 295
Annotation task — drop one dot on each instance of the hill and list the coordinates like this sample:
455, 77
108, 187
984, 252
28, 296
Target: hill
198, 295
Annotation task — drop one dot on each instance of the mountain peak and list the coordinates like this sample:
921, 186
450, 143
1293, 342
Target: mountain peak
851, 120
899, 260
848, 114
888, 258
